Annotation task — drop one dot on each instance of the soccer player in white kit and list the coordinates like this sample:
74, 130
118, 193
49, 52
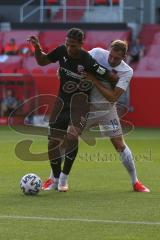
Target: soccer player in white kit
102, 92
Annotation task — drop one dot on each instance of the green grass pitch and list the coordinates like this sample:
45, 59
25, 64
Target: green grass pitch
100, 204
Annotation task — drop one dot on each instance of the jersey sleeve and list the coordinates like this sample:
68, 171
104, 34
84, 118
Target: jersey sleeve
124, 80
94, 67
55, 54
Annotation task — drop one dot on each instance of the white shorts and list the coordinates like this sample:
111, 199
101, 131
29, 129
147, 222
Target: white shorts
108, 122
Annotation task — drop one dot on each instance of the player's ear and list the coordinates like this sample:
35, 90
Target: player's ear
125, 56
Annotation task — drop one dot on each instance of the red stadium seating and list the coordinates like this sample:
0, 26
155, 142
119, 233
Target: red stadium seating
103, 38
19, 36
148, 32
8, 69
149, 64
100, 2
31, 65
115, 2
104, 2
153, 51
37, 71
156, 39
22, 70
71, 14
51, 71
11, 64
51, 39
1, 42
52, 2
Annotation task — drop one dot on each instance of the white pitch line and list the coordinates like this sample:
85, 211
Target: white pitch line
103, 221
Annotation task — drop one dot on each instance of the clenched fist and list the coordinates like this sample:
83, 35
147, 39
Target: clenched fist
34, 41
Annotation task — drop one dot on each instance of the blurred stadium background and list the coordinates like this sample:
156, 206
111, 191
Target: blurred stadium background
102, 21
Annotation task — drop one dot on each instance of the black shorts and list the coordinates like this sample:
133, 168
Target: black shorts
72, 113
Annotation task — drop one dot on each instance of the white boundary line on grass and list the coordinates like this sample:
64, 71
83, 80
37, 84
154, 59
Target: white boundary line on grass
103, 221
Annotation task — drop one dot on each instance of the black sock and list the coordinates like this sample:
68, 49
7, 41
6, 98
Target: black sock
54, 154
71, 153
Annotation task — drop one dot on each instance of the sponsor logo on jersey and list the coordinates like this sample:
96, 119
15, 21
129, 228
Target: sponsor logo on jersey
71, 74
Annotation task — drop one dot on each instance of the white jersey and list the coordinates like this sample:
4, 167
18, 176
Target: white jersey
124, 73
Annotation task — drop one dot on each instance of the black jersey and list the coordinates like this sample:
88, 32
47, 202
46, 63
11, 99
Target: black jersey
71, 70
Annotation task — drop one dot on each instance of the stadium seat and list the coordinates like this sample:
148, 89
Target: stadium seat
1, 42
52, 39
148, 63
22, 70
11, 63
100, 2
156, 39
37, 71
153, 51
30, 63
8, 69
115, 2
101, 38
106, 2
148, 32
52, 2
72, 15
19, 36
51, 71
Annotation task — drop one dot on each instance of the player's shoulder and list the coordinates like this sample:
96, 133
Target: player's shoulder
62, 48
58, 49
125, 67
98, 50
85, 55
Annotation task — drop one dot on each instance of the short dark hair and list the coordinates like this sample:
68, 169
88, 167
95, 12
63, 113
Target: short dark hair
76, 34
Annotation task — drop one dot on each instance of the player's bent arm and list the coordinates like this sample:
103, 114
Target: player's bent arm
110, 95
112, 78
41, 57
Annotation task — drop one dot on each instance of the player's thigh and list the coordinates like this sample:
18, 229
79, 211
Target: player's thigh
110, 124
59, 124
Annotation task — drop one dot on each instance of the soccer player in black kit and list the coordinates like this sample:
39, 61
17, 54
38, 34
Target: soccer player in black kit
72, 106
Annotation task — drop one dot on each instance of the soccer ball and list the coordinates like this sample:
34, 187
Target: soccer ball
30, 184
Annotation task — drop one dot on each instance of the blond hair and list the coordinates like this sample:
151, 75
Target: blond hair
119, 46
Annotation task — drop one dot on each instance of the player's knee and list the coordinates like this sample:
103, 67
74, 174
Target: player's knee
72, 133
119, 146
71, 138
54, 142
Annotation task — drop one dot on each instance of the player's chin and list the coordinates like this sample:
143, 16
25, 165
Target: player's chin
71, 54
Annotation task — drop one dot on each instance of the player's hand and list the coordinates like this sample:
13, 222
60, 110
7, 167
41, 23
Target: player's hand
113, 78
34, 41
89, 77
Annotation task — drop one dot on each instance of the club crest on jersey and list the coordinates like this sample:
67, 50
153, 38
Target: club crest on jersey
80, 68
65, 59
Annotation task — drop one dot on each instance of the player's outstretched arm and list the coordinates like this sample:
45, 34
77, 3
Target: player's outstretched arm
40, 56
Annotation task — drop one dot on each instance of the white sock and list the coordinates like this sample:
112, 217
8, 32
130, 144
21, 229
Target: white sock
63, 178
63, 157
51, 175
128, 162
